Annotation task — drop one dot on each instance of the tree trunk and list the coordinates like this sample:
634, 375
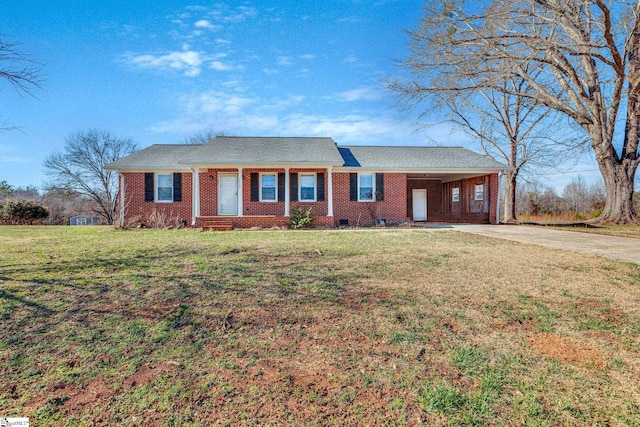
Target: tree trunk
509, 214
618, 183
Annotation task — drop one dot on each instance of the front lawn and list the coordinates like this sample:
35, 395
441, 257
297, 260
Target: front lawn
345, 327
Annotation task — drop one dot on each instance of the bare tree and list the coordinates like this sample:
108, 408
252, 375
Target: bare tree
19, 70
80, 168
581, 58
203, 137
507, 123
511, 128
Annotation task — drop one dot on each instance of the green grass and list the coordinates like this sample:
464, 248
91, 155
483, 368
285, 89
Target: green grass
373, 327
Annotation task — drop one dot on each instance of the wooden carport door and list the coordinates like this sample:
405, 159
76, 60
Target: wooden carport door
419, 201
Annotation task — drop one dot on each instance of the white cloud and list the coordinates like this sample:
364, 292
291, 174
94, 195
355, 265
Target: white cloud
364, 93
285, 61
14, 159
187, 61
222, 66
203, 23
240, 113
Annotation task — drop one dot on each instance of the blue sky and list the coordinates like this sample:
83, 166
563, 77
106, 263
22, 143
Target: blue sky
161, 71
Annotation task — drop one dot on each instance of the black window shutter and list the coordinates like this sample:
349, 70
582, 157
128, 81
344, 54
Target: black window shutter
293, 187
281, 187
148, 187
255, 187
177, 187
353, 187
320, 185
379, 187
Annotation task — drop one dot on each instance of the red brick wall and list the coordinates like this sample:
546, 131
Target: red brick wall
209, 194
137, 209
395, 209
468, 209
392, 209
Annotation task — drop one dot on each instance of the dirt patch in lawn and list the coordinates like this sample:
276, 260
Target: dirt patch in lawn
567, 351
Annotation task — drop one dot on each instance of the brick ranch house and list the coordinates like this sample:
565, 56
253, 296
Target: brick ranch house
255, 182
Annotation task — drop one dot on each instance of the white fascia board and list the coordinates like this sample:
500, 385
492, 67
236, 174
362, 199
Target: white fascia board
296, 165
151, 169
422, 170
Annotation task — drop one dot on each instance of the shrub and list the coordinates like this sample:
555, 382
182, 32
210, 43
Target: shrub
22, 211
301, 218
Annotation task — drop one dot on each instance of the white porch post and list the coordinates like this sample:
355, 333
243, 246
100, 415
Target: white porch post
287, 196
195, 197
122, 198
330, 190
240, 207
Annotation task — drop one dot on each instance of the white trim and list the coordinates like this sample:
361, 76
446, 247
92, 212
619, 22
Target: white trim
275, 185
315, 186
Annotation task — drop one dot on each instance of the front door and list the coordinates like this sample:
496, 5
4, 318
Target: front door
228, 194
419, 197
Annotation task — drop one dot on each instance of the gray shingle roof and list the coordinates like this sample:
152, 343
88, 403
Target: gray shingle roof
415, 158
155, 157
266, 151
304, 151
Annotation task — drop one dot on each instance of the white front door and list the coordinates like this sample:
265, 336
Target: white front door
419, 197
228, 194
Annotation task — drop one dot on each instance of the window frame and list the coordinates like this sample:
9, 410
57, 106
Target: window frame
455, 194
156, 187
314, 175
275, 187
373, 187
478, 192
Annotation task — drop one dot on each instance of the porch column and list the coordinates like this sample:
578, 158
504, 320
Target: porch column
195, 197
122, 197
330, 190
240, 207
287, 196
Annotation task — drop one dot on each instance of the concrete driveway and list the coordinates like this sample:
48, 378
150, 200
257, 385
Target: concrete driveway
618, 248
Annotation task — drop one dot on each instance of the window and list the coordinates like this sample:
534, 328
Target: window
307, 187
366, 187
268, 187
164, 187
479, 193
455, 194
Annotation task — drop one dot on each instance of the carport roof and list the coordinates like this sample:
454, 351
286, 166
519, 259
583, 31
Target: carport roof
410, 158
